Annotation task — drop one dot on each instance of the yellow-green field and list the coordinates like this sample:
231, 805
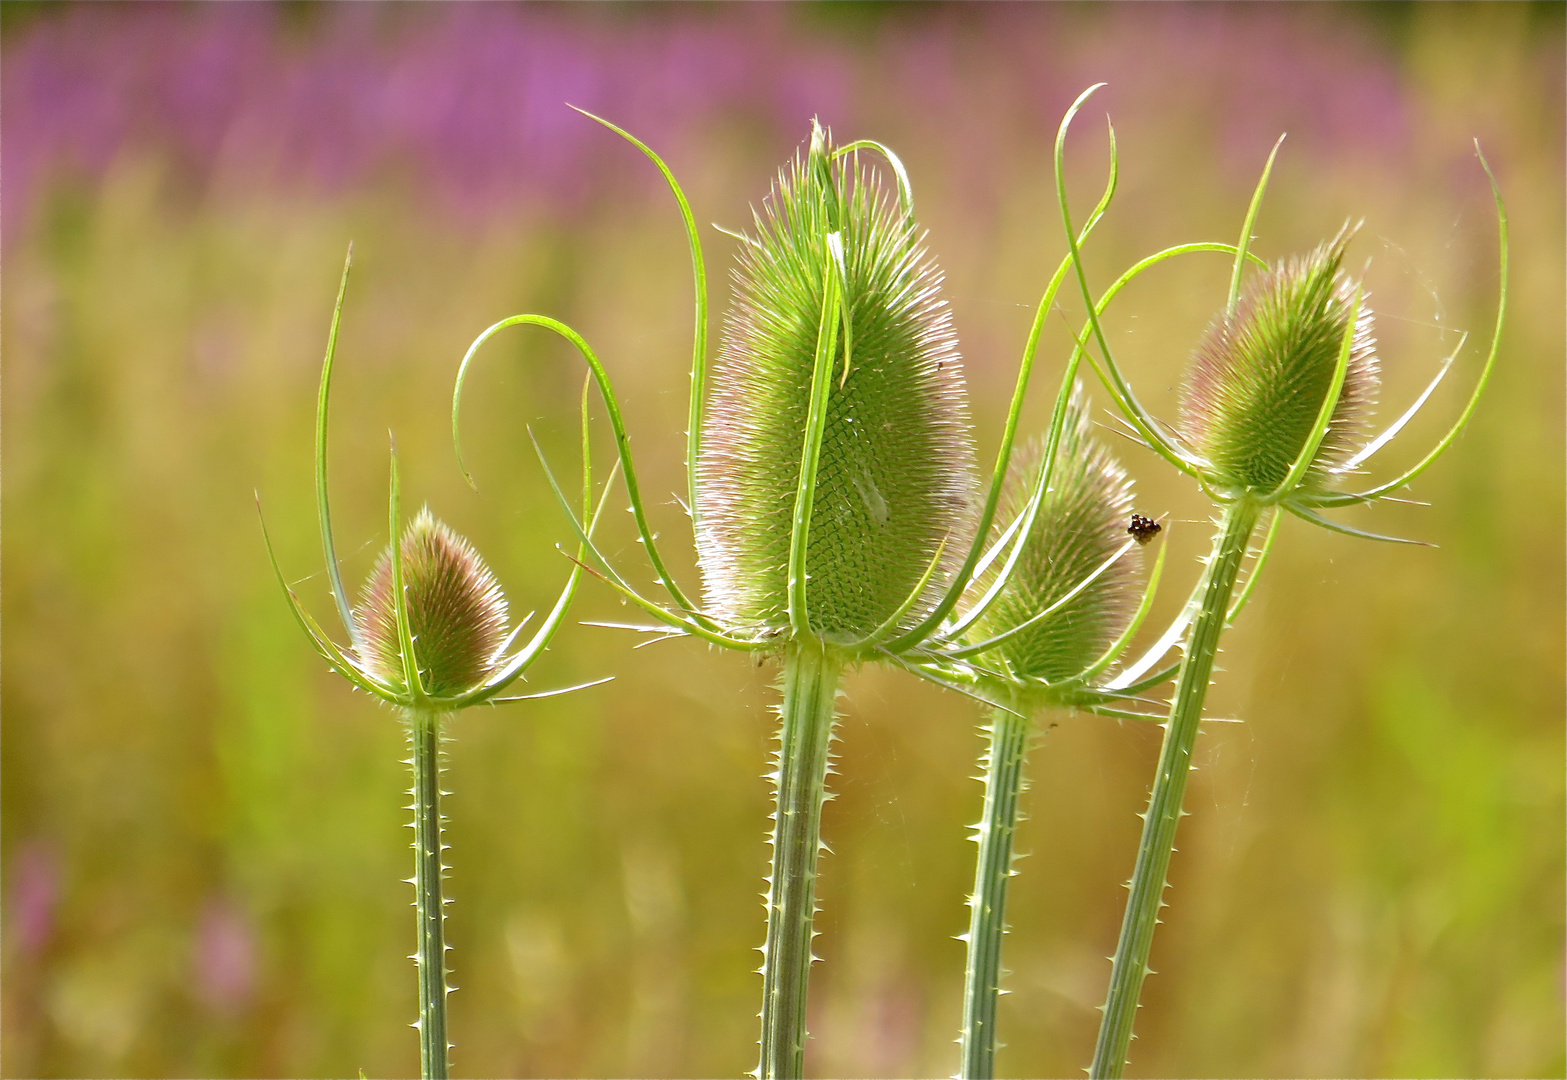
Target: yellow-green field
204, 844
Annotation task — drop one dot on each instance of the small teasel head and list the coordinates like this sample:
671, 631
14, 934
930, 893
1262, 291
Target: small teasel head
1259, 378
437, 595
456, 613
1080, 526
895, 469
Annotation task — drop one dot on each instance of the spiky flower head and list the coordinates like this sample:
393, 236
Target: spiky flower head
896, 462
1081, 524
456, 612
1258, 379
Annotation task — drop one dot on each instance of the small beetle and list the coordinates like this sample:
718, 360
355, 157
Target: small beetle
1144, 529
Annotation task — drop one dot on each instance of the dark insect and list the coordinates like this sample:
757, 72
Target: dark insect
1144, 529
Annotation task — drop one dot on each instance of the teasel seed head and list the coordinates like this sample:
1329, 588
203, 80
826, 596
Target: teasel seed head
456, 612
1258, 379
1081, 523
895, 473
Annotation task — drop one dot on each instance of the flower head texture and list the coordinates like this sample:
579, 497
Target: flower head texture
895, 475
456, 612
1081, 524
1258, 379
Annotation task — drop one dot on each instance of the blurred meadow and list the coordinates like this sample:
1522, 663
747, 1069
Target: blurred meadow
202, 844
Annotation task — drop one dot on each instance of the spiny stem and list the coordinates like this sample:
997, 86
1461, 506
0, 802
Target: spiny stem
987, 922
424, 732
1164, 804
810, 686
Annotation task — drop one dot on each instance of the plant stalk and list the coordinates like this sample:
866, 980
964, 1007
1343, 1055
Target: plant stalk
1169, 787
1004, 783
810, 686
424, 732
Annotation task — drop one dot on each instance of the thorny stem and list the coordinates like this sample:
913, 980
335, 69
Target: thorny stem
1004, 782
424, 732
810, 687
1164, 804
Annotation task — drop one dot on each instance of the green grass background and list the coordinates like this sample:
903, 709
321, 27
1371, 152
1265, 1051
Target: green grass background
202, 836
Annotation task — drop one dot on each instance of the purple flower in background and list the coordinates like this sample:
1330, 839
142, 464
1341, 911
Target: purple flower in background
35, 895
224, 960
1322, 79
468, 100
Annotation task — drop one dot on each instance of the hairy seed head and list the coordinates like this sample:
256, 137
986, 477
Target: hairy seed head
456, 612
1258, 380
896, 466
1082, 521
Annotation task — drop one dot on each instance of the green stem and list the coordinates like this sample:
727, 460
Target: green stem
424, 731
1164, 804
810, 686
1004, 782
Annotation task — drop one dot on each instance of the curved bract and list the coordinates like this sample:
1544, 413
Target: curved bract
894, 472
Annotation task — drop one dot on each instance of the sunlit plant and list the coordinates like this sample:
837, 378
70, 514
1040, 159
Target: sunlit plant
830, 487
1274, 416
1053, 613
1048, 624
429, 637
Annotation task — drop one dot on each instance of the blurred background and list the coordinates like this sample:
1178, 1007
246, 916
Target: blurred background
202, 829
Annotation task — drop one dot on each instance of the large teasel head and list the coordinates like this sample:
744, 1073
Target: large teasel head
456, 613
1259, 378
894, 479
1075, 584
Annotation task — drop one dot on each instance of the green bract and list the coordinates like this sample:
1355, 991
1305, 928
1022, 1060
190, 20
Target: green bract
1076, 565
1259, 378
895, 467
